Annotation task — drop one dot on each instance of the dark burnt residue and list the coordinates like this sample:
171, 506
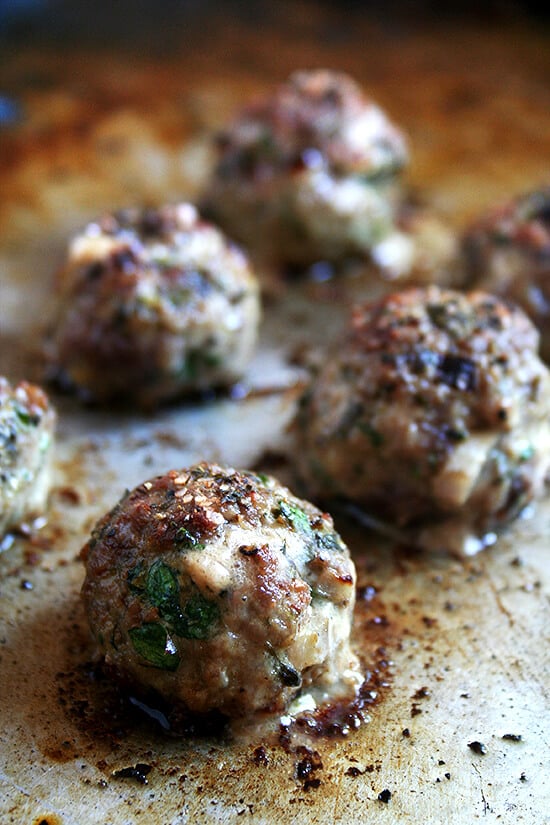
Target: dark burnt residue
373, 634
49, 819
94, 704
339, 719
309, 762
137, 772
421, 693
260, 756
110, 713
478, 747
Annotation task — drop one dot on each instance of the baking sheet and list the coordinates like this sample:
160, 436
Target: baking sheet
466, 640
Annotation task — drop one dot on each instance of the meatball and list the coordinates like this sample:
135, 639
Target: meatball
433, 409
220, 590
507, 252
423, 249
154, 304
309, 173
26, 437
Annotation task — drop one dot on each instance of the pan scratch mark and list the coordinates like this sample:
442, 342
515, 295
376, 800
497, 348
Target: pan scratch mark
337, 797
37, 800
486, 807
500, 604
7, 780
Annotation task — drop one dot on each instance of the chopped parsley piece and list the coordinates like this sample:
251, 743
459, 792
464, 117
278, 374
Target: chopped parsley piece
328, 541
438, 315
196, 362
25, 417
295, 517
162, 587
187, 541
380, 176
196, 618
152, 642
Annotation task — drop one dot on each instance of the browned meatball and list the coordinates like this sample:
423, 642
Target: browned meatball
507, 251
310, 172
434, 407
27, 424
220, 590
422, 249
154, 304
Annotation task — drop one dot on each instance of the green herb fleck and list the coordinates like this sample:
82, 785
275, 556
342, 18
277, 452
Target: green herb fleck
25, 417
438, 315
136, 578
433, 459
375, 438
192, 621
295, 516
196, 619
198, 361
527, 453
178, 295
163, 588
152, 642
383, 175
328, 541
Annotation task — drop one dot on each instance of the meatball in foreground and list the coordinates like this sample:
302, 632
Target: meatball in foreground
155, 304
308, 173
220, 590
507, 251
434, 408
27, 424
423, 249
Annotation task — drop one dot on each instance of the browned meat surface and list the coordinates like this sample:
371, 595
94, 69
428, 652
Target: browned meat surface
507, 251
435, 406
154, 304
220, 590
27, 424
309, 172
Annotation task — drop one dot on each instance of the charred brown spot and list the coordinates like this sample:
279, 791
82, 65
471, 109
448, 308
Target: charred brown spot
458, 372
248, 550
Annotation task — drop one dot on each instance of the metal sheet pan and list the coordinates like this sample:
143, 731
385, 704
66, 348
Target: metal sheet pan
467, 640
